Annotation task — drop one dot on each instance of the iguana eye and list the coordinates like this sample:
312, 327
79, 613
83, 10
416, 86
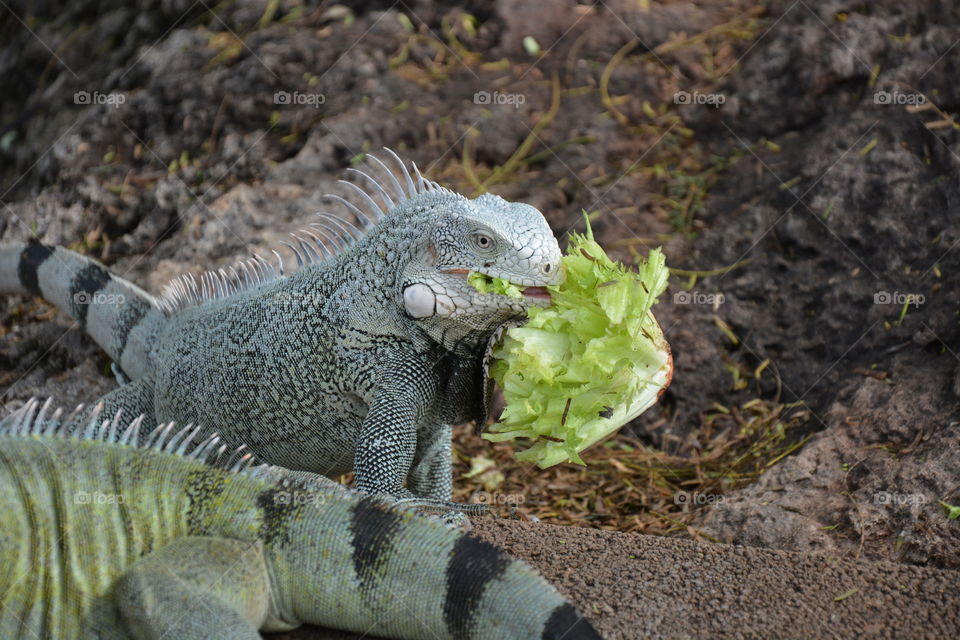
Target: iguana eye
483, 241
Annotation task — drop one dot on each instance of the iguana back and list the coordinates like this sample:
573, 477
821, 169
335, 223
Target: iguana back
106, 534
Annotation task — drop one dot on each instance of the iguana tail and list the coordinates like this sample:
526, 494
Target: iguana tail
325, 554
117, 314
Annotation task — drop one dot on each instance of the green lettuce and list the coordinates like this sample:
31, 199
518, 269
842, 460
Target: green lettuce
593, 360
488, 284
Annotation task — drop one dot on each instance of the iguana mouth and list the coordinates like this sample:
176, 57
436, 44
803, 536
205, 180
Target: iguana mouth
541, 293
535, 292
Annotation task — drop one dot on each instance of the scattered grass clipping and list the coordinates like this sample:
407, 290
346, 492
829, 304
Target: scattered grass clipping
593, 360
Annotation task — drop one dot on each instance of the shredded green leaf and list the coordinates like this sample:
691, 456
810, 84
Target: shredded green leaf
589, 363
487, 284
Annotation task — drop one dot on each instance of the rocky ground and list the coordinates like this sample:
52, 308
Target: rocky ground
798, 162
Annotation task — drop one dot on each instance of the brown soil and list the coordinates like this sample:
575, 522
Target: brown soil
636, 586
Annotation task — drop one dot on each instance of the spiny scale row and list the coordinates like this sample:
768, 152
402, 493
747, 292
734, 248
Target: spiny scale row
35, 419
322, 241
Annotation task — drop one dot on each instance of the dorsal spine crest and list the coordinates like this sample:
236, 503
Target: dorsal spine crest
324, 240
34, 419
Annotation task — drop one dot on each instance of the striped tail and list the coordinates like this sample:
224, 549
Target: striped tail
117, 314
414, 578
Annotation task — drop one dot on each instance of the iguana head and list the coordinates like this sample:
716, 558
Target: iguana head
483, 262
458, 267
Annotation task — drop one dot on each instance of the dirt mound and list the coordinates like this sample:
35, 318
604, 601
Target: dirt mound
874, 485
847, 218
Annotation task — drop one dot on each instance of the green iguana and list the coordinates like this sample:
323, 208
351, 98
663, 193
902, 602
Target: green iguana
107, 534
360, 360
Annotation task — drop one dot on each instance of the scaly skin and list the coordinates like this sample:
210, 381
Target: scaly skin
359, 362
104, 537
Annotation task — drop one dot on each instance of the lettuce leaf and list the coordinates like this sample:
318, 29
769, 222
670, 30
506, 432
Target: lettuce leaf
593, 360
488, 284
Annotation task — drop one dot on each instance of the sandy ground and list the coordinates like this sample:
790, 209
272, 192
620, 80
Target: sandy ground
637, 586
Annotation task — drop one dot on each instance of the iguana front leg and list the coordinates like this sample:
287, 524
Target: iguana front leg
385, 450
432, 473
461, 380
197, 587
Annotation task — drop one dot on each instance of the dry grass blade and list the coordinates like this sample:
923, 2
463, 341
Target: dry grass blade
630, 486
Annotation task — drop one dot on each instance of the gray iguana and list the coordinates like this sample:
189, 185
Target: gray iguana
361, 359
111, 533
